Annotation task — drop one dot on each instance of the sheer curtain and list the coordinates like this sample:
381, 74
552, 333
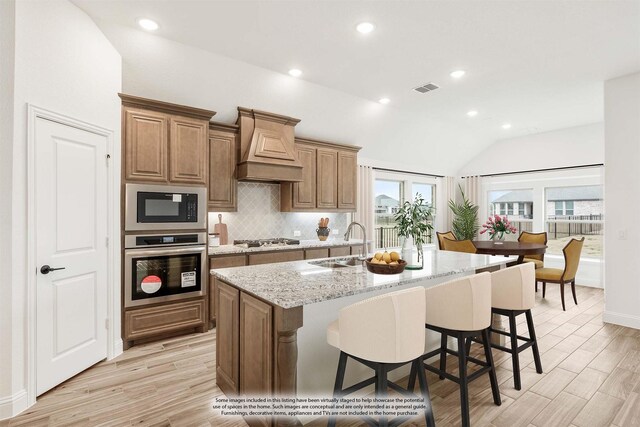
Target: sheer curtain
472, 189
449, 187
365, 208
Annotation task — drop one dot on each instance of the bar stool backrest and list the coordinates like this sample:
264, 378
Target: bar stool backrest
462, 304
388, 328
513, 288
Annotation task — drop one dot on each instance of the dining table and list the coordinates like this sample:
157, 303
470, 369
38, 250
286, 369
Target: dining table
509, 248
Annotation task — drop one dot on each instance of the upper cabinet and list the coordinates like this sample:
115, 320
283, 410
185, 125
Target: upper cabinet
329, 181
223, 148
164, 142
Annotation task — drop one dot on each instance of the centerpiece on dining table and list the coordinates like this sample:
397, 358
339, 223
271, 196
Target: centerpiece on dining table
497, 227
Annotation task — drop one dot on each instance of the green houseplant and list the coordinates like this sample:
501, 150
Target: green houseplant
413, 221
465, 224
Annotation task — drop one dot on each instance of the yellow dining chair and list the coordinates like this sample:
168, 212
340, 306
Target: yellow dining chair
459, 246
447, 234
541, 238
555, 275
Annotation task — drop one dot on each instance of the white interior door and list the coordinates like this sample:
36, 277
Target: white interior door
71, 235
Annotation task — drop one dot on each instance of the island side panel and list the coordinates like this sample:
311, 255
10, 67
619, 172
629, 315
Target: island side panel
285, 356
227, 338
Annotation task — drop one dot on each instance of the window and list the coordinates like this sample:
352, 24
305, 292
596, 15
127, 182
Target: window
390, 194
575, 212
559, 209
516, 204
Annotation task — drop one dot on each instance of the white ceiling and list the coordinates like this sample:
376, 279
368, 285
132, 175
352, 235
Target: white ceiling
539, 65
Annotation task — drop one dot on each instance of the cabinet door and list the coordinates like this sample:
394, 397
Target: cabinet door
145, 145
327, 193
256, 343
188, 150
148, 322
274, 257
347, 180
222, 171
304, 192
227, 338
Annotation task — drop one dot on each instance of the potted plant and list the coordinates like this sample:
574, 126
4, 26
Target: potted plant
465, 222
413, 221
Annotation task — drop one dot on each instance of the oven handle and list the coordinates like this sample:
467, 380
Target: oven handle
130, 253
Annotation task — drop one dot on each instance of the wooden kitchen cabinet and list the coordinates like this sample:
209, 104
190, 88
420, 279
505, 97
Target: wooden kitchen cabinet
228, 339
316, 253
223, 185
327, 190
347, 180
187, 150
255, 345
145, 150
163, 142
221, 261
340, 251
329, 178
273, 257
162, 319
303, 194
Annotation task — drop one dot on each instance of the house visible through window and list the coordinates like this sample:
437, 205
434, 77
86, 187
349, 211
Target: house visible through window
516, 204
559, 209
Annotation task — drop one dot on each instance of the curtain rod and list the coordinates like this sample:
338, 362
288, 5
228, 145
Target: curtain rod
540, 170
411, 173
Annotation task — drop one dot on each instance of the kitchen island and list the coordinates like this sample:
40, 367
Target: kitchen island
272, 319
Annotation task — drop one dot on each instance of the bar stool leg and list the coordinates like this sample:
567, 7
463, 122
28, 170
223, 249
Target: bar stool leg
337, 388
381, 390
486, 338
464, 384
532, 335
443, 354
515, 358
424, 391
415, 367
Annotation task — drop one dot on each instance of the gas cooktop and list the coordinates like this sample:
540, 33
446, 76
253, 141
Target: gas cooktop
276, 241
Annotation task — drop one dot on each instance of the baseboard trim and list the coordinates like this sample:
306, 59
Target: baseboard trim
621, 319
11, 406
118, 349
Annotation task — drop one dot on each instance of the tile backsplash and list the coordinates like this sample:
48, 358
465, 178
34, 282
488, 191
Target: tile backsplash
259, 216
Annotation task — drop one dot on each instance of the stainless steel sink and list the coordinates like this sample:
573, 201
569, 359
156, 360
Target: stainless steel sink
332, 263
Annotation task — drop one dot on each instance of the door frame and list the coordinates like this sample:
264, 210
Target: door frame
114, 342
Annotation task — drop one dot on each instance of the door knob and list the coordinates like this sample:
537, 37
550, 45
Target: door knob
45, 269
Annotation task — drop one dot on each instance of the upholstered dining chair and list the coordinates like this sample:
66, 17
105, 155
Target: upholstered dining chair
447, 234
555, 275
459, 246
537, 260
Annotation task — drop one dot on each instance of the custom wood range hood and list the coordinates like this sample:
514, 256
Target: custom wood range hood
266, 147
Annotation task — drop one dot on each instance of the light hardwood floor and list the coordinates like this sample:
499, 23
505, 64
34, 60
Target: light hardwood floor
591, 378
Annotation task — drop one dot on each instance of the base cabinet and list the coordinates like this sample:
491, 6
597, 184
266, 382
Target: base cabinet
154, 321
228, 339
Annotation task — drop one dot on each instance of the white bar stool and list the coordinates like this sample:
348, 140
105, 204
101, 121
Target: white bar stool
512, 294
383, 333
461, 308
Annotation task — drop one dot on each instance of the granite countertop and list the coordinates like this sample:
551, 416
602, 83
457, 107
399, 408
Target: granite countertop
299, 283
304, 244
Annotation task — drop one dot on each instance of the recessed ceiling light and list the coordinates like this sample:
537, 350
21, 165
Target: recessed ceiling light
457, 74
365, 27
506, 126
295, 72
472, 113
148, 24
384, 100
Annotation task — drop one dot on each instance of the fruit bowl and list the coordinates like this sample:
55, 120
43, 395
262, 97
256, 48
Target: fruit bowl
386, 268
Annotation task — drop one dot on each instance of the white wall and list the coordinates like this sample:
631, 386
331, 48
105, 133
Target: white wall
158, 68
65, 64
7, 40
622, 178
581, 145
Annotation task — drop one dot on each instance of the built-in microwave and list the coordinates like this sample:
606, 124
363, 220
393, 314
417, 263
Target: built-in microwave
165, 207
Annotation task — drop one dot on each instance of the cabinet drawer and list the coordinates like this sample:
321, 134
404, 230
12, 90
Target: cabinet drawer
272, 257
227, 261
340, 251
316, 253
146, 322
